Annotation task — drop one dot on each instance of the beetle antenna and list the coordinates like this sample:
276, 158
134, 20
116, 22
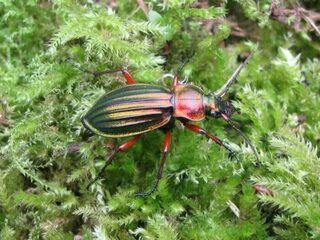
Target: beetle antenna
228, 120
225, 88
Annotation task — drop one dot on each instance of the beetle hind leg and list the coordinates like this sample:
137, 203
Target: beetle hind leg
129, 78
166, 148
123, 147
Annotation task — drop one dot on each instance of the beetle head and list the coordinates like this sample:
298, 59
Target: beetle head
217, 107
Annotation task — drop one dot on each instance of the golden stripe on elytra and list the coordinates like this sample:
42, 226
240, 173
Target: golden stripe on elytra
131, 99
156, 96
134, 113
129, 122
145, 96
150, 128
162, 104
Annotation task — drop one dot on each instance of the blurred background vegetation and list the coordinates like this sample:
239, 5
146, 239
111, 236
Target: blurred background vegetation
47, 160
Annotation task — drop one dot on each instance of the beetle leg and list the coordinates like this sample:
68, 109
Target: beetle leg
166, 148
129, 78
175, 81
123, 147
176, 78
202, 131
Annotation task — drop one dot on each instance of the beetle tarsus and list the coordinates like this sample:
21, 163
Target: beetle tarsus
233, 154
152, 190
247, 140
217, 140
129, 78
78, 66
123, 147
109, 161
166, 148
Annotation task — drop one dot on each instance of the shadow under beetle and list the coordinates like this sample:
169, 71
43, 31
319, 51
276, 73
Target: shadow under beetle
135, 109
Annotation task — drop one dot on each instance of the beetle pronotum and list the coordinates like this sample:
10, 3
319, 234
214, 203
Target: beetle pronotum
135, 109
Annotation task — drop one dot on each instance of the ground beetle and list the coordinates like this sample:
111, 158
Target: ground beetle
135, 109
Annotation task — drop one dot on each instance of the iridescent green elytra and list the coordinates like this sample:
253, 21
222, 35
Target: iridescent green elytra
130, 110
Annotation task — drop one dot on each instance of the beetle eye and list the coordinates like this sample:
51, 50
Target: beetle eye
229, 108
215, 114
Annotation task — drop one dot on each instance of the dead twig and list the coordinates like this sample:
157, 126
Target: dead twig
282, 14
3, 113
144, 7
312, 24
113, 4
4, 122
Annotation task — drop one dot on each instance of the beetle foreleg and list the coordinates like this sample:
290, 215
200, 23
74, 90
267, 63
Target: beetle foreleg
123, 147
175, 80
217, 140
176, 76
166, 148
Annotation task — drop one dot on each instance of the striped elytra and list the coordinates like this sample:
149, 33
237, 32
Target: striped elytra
130, 110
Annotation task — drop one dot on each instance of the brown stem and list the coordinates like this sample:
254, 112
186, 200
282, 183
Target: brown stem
144, 7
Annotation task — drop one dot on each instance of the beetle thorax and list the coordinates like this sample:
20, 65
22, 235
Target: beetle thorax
188, 102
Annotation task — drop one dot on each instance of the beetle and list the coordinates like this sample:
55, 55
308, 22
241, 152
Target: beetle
135, 109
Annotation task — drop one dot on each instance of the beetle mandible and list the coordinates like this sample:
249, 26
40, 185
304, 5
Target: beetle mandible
135, 109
